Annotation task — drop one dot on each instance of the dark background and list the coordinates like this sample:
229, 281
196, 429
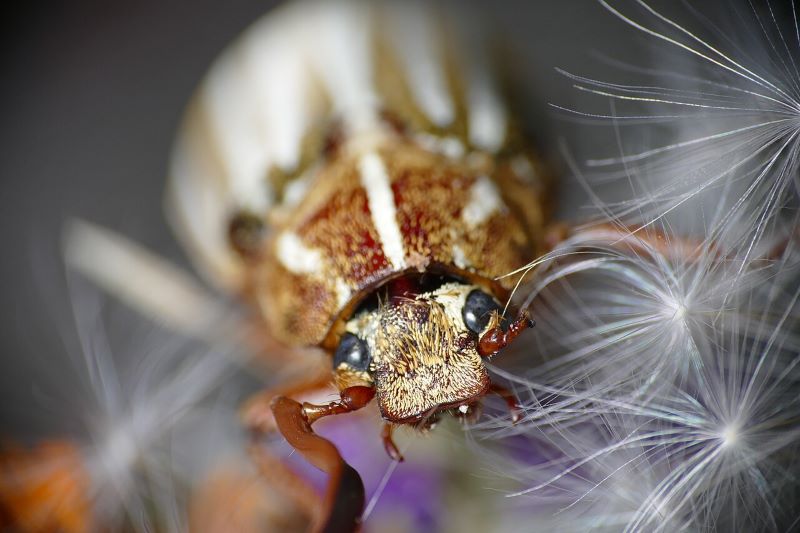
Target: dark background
92, 93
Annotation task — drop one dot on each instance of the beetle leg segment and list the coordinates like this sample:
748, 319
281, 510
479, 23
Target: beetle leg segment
787, 243
344, 499
468, 413
344, 495
522, 323
256, 413
388, 443
495, 339
689, 249
352, 399
511, 400
680, 248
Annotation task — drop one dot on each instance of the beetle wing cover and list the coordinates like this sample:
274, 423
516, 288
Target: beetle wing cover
257, 128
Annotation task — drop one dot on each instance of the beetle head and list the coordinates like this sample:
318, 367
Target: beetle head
420, 351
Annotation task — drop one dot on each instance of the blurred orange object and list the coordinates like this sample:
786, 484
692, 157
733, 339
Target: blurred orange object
233, 499
44, 489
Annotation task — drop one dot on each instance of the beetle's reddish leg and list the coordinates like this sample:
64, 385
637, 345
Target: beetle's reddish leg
685, 248
344, 495
777, 251
261, 414
675, 247
511, 400
516, 328
555, 233
352, 399
495, 339
256, 413
388, 443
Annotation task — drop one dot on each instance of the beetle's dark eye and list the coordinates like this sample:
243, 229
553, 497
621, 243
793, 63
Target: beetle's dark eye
478, 310
352, 351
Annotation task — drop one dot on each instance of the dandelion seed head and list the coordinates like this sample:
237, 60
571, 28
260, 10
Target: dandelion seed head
119, 451
674, 309
726, 103
140, 390
667, 396
729, 436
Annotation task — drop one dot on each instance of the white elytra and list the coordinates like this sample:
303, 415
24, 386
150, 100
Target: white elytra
304, 66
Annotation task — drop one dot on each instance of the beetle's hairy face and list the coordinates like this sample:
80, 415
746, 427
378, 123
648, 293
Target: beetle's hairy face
423, 357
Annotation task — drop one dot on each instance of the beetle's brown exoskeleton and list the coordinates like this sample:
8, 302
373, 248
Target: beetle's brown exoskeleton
353, 170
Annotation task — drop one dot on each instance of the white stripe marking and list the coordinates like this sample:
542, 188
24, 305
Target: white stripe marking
448, 146
237, 133
342, 55
343, 293
282, 100
486, 115
484, 199
296, 256
459, 257
413, 35
381, 205
487, 119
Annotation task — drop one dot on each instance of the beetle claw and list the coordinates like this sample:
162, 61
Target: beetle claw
511, 401
389, 445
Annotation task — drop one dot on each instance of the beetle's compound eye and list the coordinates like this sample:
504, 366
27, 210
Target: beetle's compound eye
478, 310
352, 351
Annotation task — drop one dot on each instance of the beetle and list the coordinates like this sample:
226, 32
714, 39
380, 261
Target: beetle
353, 171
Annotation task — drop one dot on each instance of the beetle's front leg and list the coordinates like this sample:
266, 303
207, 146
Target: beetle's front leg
344, 498
351, 399
256, 413
271, 410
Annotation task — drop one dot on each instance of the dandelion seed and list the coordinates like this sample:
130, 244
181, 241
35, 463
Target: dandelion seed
710, 448
735, 124
729, 436
132, 413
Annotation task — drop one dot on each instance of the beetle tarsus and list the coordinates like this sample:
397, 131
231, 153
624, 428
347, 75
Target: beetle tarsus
388, 443
511, 400
256, 413
516, 328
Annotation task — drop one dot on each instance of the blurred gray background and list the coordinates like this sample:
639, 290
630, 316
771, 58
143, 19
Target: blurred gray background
92, 93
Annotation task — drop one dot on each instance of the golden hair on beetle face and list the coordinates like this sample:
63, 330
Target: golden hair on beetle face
424, 358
